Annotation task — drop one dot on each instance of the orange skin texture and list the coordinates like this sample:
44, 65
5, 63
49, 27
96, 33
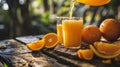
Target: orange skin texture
110, 29
91, 34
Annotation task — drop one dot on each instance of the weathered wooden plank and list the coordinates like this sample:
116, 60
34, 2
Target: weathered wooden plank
65, 57
20, 56
72, 53
27, 39
65, 60
23, 57
28, 60
14, 47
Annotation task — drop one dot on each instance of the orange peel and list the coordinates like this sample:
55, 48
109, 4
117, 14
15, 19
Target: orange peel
94, 2
103, 55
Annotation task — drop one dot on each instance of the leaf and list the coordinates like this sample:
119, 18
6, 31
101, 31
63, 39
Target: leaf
5, 65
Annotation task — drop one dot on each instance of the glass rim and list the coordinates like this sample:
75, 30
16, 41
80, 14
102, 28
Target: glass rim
68, 18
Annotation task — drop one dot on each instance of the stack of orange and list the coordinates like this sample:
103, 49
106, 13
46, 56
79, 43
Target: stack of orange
109, 29
48, 41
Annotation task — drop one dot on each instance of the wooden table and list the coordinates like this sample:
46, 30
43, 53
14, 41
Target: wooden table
18, 55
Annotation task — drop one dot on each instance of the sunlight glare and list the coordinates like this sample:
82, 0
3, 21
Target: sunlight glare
22, 1
5, 6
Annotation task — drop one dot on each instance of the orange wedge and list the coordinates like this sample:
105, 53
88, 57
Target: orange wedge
51, 40
86, 54
107, 48
94, 2
36, 45
103, 55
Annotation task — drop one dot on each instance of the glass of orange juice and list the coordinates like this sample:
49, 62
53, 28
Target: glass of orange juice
59, 29
72, 29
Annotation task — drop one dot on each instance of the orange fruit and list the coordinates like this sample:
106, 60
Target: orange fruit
104, 55
36, 45
110, 29
106, 48
94, 2
91, 34
51, 40
86, 54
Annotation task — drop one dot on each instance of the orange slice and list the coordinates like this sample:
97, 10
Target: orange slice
103, 55
36, 45
106, 48
94, 2
86, 54
51, 40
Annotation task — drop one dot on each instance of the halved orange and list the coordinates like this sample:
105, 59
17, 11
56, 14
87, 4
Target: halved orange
106, 48
86, 54
51, 40
104, 55
94, 2
36, 45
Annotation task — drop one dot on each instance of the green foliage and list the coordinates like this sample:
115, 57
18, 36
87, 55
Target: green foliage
40, 2
45, 17
63, 8
67, 3
5, 65
63, 11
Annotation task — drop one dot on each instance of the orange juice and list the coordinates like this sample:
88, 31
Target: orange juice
72, 33
59, 33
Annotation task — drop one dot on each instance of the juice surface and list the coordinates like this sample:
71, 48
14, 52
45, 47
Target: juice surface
59, 33
72, 33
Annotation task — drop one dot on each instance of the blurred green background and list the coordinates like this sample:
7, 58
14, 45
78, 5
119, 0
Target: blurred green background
36, 17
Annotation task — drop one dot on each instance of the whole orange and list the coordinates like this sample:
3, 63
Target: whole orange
110, 29
91, 34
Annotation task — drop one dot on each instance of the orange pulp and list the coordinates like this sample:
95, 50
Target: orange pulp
51, 40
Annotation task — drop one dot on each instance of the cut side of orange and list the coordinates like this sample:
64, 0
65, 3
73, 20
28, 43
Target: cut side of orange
36, 45
86, 54
94, 2
51, 40
103, 55
106, 48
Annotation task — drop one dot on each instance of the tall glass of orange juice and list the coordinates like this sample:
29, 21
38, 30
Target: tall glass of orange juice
59, 33
72, 29
59, 30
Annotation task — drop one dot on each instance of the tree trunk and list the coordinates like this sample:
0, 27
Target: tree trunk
45, 4
19, 28
15, 25
26, 26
